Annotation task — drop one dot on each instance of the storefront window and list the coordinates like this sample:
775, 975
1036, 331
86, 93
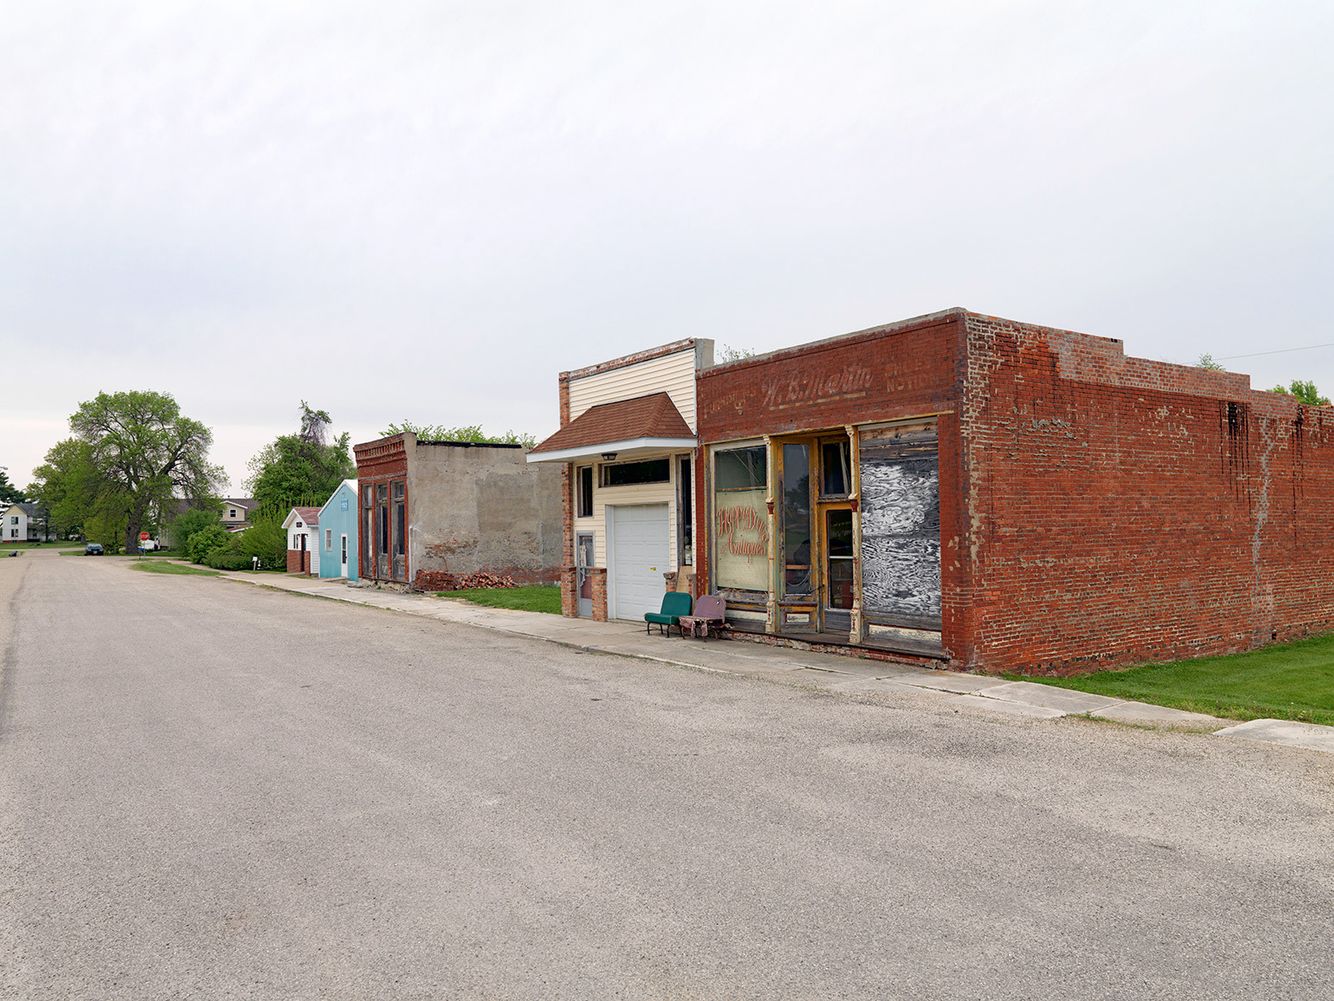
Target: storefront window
796, 520
741, 520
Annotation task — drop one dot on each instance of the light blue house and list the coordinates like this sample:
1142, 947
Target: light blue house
338, 532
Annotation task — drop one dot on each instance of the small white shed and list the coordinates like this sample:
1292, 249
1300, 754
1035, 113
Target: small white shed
302, 525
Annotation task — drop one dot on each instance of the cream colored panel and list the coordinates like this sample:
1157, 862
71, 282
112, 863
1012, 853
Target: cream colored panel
672, 374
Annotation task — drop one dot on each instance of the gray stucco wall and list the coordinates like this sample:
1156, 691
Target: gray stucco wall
483, 508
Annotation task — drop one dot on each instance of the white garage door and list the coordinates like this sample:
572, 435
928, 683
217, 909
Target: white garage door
637, 559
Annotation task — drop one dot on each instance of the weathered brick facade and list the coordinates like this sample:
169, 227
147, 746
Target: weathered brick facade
1095, 509
378, 463
1122, 510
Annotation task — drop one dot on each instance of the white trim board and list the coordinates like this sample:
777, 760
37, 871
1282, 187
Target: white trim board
596, 451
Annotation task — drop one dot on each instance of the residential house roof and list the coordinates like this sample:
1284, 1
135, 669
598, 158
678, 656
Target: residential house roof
309, 516
644, 420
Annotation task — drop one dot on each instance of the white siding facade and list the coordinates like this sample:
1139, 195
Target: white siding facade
673, 374
16, 525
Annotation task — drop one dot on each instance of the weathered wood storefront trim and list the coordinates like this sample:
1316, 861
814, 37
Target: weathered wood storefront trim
861, 564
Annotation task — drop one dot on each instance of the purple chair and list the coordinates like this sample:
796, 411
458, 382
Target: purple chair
709, 614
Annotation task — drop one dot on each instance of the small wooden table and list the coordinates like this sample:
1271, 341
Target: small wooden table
694, 625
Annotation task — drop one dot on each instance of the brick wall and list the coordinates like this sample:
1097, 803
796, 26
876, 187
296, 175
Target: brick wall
1124, 510
1096, 510
597, 577
298, 561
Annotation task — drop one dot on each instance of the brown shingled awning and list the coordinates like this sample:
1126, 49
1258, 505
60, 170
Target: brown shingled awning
626, 427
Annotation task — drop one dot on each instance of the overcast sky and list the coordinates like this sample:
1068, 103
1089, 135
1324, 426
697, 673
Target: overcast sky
426, 210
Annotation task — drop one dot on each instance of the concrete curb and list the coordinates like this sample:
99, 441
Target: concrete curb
1287, 733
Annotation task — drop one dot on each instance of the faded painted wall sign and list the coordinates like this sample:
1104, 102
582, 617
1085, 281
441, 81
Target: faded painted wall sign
741, 550
900, 504
850, 382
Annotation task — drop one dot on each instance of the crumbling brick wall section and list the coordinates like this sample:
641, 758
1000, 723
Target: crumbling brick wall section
1120, 510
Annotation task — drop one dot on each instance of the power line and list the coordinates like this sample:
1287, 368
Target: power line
1280, 351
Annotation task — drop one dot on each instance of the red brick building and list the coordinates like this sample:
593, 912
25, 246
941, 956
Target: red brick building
1003, 496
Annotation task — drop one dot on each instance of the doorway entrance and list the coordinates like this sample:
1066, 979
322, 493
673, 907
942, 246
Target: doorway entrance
815, 535
583, 559
836, 613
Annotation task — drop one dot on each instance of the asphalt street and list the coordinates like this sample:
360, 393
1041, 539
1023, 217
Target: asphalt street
212, 790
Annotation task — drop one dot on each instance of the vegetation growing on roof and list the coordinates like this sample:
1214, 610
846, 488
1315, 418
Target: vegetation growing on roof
467, 432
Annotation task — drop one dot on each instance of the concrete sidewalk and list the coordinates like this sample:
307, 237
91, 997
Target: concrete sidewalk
848, 677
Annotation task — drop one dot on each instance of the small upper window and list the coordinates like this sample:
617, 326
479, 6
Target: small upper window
233, 514
625, 474
328, 539
584, 492
834, 478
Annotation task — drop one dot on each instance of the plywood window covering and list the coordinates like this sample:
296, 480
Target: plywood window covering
900, 522
741, 519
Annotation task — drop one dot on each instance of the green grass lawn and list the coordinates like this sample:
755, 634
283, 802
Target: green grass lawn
150, 566
1286, 681
530, 598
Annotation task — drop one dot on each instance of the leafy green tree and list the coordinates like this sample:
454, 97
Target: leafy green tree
301, 468
468, 432
68, 485
1305, 391
108, 524
9, 493
145, 450
1207, 361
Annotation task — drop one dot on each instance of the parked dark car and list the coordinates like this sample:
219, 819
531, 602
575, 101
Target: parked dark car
93, 549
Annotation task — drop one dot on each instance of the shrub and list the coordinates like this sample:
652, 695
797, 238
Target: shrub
227, 556
183, 529
205, 541
268, 541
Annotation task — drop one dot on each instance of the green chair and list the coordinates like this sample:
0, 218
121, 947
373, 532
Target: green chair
674, 605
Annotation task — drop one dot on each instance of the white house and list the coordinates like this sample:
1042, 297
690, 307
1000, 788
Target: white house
302, 525
21, 523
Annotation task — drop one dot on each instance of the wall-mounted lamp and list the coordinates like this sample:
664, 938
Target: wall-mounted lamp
609, 456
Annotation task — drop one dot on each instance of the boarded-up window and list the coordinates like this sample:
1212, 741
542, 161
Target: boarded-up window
900, 507
741, 519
